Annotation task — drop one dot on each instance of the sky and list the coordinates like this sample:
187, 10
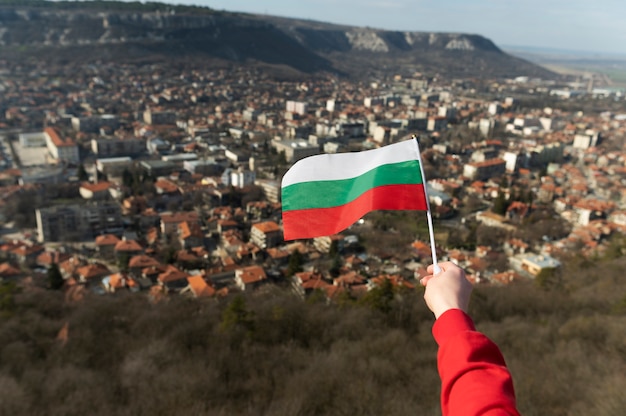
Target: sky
574, 25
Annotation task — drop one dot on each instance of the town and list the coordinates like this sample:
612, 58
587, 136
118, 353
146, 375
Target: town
166, 180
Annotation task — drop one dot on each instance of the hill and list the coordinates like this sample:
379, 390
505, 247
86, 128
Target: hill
75, 32
278, 355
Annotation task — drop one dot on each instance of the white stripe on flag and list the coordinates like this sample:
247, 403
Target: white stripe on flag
328, 167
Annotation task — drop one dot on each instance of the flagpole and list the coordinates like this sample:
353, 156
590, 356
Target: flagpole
436, 268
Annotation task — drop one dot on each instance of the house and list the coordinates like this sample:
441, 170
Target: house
188, 259
128, 247
323, 244
118, 281
139, 262
48, 258
198, 287
169, 221
8, 271
172, 278
152, 273
95, 191
190, 234
250, 278
26, 254
515, 246
105, 245
396, 281
535, 263
351, 278
265, 234
305, 283
69, 267
506, 277
92, 272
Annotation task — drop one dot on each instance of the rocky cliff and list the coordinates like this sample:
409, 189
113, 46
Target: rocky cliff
66, 35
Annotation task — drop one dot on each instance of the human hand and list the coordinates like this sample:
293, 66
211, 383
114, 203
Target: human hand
446, 290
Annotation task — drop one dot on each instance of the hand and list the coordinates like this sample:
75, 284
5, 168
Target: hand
446, 290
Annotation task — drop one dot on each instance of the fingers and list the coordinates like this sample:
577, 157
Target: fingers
424, 280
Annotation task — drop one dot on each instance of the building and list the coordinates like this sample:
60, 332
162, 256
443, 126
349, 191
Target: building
265, 234
115, 146
61, 149
156, 168
295, 150
271, 189
249, 278
43, 175
535, 263
238, 178
207, 167
484, 170
32, 139
159, 117
323, 244
78, 222
114, 166
92, 124
296, 107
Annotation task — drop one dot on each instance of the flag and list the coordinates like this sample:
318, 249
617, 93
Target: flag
325, 194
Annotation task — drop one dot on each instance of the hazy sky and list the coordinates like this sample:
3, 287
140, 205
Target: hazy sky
583, 25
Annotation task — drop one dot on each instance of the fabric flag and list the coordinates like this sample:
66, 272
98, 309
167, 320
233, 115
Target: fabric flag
325, 194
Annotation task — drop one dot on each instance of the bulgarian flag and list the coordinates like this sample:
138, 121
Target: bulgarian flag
325, 194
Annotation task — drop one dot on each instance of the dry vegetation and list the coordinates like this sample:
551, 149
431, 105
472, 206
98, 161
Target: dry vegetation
276, 355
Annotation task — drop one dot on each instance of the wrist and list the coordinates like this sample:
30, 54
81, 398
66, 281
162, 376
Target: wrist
451, 322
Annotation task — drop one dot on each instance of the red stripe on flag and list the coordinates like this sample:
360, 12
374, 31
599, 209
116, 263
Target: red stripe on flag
311, 223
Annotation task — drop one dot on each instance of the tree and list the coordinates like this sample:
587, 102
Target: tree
237, 315
82, 173
123, 260
548, 278
7, 298
500, 205
380, 297
295, 263
55, 278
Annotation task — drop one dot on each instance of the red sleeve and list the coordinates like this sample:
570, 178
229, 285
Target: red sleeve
474, 377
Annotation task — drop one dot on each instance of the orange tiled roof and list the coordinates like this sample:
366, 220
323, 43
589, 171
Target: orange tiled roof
93, 270
107, 240
142, 261
128, 246
6, 270
252, 274
56, 139
96, 187
170, 274
199, 287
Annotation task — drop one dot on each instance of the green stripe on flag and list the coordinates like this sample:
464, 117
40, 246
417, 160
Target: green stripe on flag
325, 194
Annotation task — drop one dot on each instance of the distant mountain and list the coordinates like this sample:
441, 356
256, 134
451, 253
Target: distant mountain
70, 32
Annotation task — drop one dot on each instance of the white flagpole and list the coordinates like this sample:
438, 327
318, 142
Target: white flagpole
436, 268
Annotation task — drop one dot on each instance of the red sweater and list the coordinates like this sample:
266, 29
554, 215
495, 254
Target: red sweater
474, 377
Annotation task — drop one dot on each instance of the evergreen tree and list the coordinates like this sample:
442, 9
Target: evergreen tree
55, 278
295, 263
82, 173
500, 204
237, 315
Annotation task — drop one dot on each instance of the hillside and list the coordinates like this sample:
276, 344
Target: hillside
73, 32
277, 355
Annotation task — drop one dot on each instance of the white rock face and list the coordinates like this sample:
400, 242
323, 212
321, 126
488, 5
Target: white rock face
408, 38
461, 43
367, 41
